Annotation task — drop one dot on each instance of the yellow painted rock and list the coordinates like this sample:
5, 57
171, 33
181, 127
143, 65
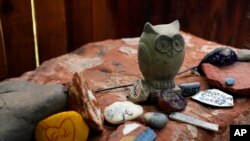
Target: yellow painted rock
65, 126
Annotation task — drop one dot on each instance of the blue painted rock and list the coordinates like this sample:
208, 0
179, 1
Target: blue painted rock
229, 81
132, 131
155, 119
171, 101
219, 57
189, 89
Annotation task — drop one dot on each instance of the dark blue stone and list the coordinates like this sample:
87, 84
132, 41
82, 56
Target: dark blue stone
189, 89
219, 57
147, 135
229, 81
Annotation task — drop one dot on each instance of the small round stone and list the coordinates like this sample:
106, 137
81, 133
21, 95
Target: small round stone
155, 119
229, 81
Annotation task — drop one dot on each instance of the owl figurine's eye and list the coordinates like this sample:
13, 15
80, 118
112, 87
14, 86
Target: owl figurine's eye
178, 42
163, 44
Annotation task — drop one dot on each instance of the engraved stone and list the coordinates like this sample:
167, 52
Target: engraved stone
171, 101
139, 92
194, 121
120, 112
189, 89
214, 97
64, 126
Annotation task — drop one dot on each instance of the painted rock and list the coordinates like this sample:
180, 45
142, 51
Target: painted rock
132, 131
171, 101
120, 112
214, 97
82, 100
189, 89
219, 57
155, 119
139, 92
64, 126
229, 81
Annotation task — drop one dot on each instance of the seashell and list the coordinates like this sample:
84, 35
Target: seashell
156, 119
171, 101
189, 89
120, 112
214, 97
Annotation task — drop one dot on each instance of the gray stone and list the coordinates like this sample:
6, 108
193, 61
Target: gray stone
23, 104
243, 55
194, 121
156, 119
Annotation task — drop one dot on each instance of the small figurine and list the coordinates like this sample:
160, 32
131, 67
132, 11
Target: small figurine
161, 54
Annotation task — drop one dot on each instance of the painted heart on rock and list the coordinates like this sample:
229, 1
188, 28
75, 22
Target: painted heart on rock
64, 132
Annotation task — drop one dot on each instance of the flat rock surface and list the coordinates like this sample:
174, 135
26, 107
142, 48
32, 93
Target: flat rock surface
114, 62
238, 71
24, 104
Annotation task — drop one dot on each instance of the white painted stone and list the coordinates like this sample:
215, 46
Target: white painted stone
194, 121
130, 127
120, 112
214, 97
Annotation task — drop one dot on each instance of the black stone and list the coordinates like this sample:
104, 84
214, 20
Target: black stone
219, 57
23, 104
189, 89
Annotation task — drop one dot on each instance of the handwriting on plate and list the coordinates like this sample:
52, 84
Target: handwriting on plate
64, 132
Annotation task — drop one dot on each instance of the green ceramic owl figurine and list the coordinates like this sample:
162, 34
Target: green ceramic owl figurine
160, 54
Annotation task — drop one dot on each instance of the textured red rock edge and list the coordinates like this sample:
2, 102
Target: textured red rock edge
238, 71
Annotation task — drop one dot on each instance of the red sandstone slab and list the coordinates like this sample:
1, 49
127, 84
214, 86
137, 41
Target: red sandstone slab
114, 62
238, 71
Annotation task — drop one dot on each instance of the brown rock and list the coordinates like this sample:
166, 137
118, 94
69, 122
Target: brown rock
82, 100
238, 71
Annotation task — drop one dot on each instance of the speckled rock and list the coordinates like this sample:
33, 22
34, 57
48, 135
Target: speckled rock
132, 131
156, 119
238, 71
120, 112
219, 57
23, 104
83, 100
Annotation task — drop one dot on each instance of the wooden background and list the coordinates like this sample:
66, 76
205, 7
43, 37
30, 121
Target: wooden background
64, 25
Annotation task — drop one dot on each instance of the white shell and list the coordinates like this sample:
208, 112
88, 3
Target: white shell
120, 112
214, 97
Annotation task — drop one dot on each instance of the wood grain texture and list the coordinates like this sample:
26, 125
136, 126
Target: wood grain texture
3, 60
18, 35
79, 22
51, 28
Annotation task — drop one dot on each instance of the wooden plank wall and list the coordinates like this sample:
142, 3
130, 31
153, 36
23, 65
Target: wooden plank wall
18, 37
64, 25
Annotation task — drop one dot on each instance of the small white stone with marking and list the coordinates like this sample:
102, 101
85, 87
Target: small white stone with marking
120, 112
